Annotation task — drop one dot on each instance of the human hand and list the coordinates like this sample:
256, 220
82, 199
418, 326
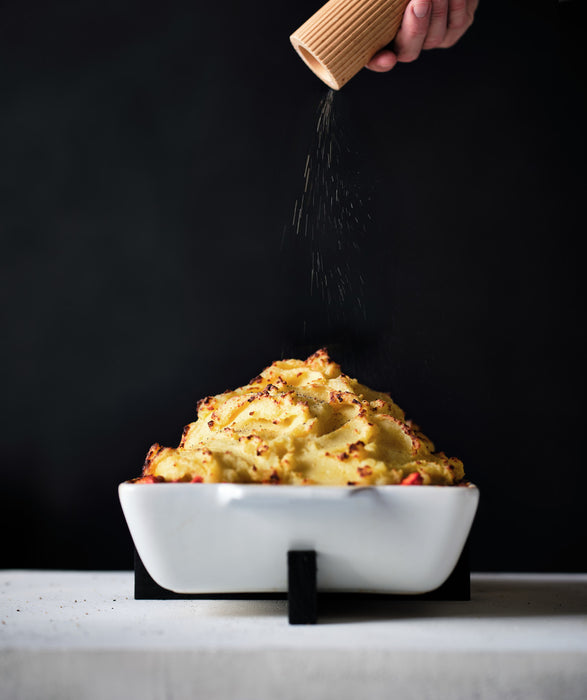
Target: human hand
426, 24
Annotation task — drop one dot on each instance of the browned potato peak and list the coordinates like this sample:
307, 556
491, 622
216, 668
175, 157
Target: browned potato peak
302, 422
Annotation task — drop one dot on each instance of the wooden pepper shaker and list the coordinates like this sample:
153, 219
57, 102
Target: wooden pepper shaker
343, 36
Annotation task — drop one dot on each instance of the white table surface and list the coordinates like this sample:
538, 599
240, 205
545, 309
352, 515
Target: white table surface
82, 635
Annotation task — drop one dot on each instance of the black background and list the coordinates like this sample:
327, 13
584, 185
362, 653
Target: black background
151, 154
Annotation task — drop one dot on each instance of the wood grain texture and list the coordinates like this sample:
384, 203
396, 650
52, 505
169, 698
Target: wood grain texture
343, 36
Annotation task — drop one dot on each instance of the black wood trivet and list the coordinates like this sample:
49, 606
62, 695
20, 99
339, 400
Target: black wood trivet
302, 596
301, 587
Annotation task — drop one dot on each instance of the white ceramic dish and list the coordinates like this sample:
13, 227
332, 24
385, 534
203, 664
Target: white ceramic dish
230, 538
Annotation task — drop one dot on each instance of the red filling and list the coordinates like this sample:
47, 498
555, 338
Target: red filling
413, 479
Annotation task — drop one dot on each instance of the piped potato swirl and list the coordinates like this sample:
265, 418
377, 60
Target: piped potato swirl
302, 422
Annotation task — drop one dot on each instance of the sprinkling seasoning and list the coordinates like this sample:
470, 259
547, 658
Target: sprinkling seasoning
330, 219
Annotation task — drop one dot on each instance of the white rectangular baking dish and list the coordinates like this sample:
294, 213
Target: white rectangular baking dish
231, 538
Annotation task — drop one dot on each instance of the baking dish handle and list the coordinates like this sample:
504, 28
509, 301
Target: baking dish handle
235, 495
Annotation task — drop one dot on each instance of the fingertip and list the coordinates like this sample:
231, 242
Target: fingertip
382, 62
421, 9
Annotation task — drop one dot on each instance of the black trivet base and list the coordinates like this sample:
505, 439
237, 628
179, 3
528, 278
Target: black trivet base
302, 593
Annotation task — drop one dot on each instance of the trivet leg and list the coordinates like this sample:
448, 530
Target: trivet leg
302, 592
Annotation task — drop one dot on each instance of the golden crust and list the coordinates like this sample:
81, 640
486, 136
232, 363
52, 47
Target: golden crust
302, 422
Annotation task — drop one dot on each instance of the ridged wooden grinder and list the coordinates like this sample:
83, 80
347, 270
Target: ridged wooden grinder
344, 35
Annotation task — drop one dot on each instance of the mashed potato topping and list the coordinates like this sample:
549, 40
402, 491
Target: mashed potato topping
302, 422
